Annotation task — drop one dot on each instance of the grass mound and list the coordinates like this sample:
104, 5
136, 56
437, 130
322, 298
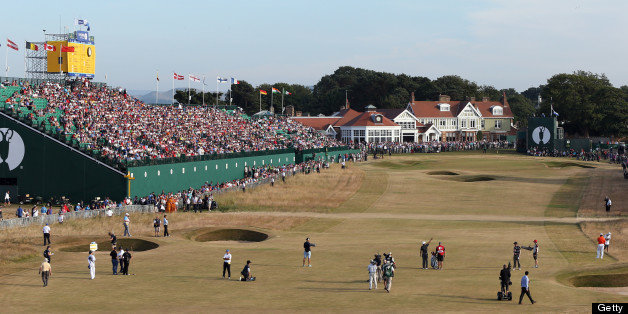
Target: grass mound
564, 164
442, 173
609, 280
137, 245
231, 235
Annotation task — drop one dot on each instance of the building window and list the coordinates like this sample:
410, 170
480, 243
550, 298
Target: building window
483, 124
472, 124
463, 123
443, 122
498, 124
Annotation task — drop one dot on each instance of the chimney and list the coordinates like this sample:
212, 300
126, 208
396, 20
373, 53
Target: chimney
505, 100
472, 99
444, 98
412, 97
485, 99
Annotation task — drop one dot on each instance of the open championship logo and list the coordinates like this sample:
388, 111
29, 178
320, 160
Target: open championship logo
541, 135
11, 148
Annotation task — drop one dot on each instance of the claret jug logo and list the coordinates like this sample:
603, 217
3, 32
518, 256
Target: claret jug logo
541, 135
11, 149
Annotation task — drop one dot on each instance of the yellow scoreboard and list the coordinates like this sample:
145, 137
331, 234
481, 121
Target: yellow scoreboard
72, 57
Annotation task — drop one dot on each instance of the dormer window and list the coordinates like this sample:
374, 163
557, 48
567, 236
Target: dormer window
443, 107
497, 110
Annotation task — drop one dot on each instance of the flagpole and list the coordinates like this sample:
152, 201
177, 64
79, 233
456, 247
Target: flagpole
260, 101
6, 61
283, 91
189, 97
203, 90
157, 94
271, 96
216, 91
172, 100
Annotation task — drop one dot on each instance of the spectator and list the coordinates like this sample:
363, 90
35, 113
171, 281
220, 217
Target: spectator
46, 231
45, 270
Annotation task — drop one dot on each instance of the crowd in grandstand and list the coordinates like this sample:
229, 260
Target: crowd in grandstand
433, 147
595, 155
122, 127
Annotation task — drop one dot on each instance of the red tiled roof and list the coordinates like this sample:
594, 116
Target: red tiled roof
365, 119
429, 109
347, 115
316, 123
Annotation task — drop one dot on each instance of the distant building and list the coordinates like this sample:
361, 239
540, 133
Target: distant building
447, 120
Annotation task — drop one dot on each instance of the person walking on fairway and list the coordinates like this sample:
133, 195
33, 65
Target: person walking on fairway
46, 231
424, 253
440, 255
127, 221
372, 268
525, 288
226, 264
516, 252
48, 253
126, 259
389, 273
607, 204
601, 241
45, 270
307, 252
91, 264
114, 260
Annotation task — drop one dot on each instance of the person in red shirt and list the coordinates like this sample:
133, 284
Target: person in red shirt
600, 246
440, 255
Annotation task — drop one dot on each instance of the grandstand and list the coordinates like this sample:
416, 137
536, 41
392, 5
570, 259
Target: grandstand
83, 140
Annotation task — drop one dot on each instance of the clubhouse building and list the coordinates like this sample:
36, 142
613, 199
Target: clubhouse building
420, 121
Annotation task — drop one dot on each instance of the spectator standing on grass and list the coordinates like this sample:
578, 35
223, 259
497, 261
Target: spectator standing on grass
114, 260
525, 288
46, 231
19, 212
226, 264
424, 255
126, 258
166, 233
156, 225
120, 258
7, 199
372, 269
601, 241
516, 252
91, 264
607, 204
607, 243
45, 270
127, 221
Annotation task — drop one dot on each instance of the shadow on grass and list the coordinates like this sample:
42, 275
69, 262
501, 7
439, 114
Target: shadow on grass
461, 297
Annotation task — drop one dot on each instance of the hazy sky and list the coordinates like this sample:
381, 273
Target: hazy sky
508, 43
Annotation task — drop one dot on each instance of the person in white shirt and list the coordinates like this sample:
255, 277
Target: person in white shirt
91, 264
372, 268
109, 212
120, 258
46, 231
226, 264
7, 199
60, 219
607, 243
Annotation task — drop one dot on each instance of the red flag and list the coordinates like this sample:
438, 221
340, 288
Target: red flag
67, 49
178, 77
50, 47
12, 45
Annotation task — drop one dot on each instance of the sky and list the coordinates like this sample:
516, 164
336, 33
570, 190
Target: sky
509, 43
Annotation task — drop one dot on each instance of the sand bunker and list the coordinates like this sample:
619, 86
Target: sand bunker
231, 235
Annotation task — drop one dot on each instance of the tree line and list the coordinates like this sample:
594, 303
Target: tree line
587, 103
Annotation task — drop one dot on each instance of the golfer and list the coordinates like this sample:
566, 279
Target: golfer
424, 254
608, 203
45, 270
525, 288
535, 254
607, 237
372, 268
226, 264
601, 241
46, 231
516, 252
246, 272
307, 252
127, 221
91, 264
